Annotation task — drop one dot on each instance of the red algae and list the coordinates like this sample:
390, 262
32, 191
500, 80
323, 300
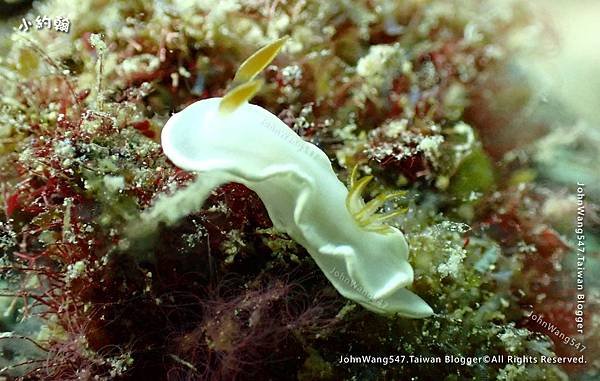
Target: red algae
422, 95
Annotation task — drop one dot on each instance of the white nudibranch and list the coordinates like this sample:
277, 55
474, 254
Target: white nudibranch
229, 140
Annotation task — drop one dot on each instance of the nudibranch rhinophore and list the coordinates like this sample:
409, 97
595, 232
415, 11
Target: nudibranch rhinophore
229, 140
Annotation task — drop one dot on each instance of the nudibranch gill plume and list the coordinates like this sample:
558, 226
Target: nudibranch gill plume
230, 140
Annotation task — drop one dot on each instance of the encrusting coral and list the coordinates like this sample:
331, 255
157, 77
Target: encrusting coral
112, 267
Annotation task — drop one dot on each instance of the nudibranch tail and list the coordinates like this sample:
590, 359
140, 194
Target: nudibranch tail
241, 94
258, 61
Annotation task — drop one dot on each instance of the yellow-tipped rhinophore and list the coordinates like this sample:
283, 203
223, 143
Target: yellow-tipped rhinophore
244, 92
245, 75
258, 61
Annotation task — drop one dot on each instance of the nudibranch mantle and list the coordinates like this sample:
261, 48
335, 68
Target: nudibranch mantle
302, 195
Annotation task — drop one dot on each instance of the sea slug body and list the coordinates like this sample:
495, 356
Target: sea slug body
302, 194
